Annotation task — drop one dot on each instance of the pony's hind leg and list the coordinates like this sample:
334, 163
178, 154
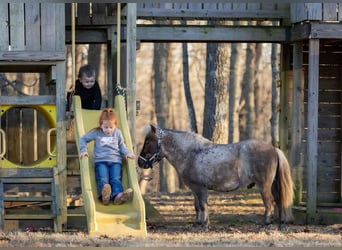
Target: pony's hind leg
281, 211
267, 199
201, 207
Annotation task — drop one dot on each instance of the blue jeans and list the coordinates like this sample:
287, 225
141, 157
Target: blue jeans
108, 173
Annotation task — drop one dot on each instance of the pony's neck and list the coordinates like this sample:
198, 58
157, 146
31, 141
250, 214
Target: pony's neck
177, 146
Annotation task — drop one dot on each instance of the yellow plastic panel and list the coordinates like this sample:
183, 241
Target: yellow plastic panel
48, 111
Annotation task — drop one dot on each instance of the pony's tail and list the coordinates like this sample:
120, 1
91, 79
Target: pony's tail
285, 185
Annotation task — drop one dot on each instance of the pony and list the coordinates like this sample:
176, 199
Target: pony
204, 165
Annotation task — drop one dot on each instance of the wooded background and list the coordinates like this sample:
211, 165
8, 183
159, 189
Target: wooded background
225, 91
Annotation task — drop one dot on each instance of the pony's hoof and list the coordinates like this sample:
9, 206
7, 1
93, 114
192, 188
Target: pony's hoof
200, 227
282, 227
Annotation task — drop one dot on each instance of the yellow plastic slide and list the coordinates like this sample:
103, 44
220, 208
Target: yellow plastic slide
112, 220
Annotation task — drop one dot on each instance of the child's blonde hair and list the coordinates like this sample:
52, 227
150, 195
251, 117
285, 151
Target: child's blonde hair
110, 115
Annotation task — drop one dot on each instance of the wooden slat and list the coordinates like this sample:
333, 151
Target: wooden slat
28, 198
83, 14
29, 216
17, 24
98, 13
298, 13
327, 96
32, 26
4, 29
329, 84
27, 100
31, 56
25, 172
314, 11
48, 26
42, 188
27, 180
329, 11
60, 27
12, 135
28, 143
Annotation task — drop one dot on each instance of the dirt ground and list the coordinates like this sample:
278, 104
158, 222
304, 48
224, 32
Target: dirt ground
235, 222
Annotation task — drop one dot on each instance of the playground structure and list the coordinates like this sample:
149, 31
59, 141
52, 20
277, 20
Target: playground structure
34, 127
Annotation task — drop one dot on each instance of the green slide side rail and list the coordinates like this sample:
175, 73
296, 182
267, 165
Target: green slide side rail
114, 220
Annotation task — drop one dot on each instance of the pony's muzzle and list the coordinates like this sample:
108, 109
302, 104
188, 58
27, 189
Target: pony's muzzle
144, 163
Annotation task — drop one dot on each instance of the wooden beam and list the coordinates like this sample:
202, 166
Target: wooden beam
31, 56
179, 33
312, 122
300, 32
326, 30
27, 100
91, 35
316, 30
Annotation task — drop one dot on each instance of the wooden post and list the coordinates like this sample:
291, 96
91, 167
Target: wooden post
312, 120
297, 121
283, 117
118, 44
131, 68
61, 141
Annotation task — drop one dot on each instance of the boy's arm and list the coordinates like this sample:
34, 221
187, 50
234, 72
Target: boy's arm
98, 97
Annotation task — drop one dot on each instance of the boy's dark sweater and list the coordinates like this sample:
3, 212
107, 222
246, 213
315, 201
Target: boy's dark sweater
90, 98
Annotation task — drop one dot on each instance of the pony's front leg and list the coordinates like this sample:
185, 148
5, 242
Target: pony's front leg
201, 207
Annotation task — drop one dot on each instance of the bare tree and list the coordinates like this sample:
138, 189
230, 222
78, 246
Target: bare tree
215, 118
248, 92
275, 94
161, 97
210, 90
188, 97
234, 92
258, 93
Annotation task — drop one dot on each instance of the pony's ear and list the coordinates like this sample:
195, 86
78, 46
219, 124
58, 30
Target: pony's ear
153, 128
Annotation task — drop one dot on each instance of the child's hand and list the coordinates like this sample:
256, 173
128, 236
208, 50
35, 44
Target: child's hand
84, 154
130, 155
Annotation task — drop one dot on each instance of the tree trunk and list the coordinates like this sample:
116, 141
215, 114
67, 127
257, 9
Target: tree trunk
235, 92
259, 95
161, 98
275, 94
248, 92
188, 97
210, 90
215, 118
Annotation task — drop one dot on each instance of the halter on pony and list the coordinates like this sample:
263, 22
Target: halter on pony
148, 163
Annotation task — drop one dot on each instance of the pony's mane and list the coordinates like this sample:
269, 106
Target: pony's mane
193, 135
146, 130
197, 137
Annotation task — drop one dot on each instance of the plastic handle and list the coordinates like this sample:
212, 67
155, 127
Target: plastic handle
48, 141
3, 143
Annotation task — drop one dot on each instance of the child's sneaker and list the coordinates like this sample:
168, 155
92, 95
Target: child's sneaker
106, 191
127, 195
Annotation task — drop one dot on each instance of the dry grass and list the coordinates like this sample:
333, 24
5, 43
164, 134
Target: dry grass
235, 219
